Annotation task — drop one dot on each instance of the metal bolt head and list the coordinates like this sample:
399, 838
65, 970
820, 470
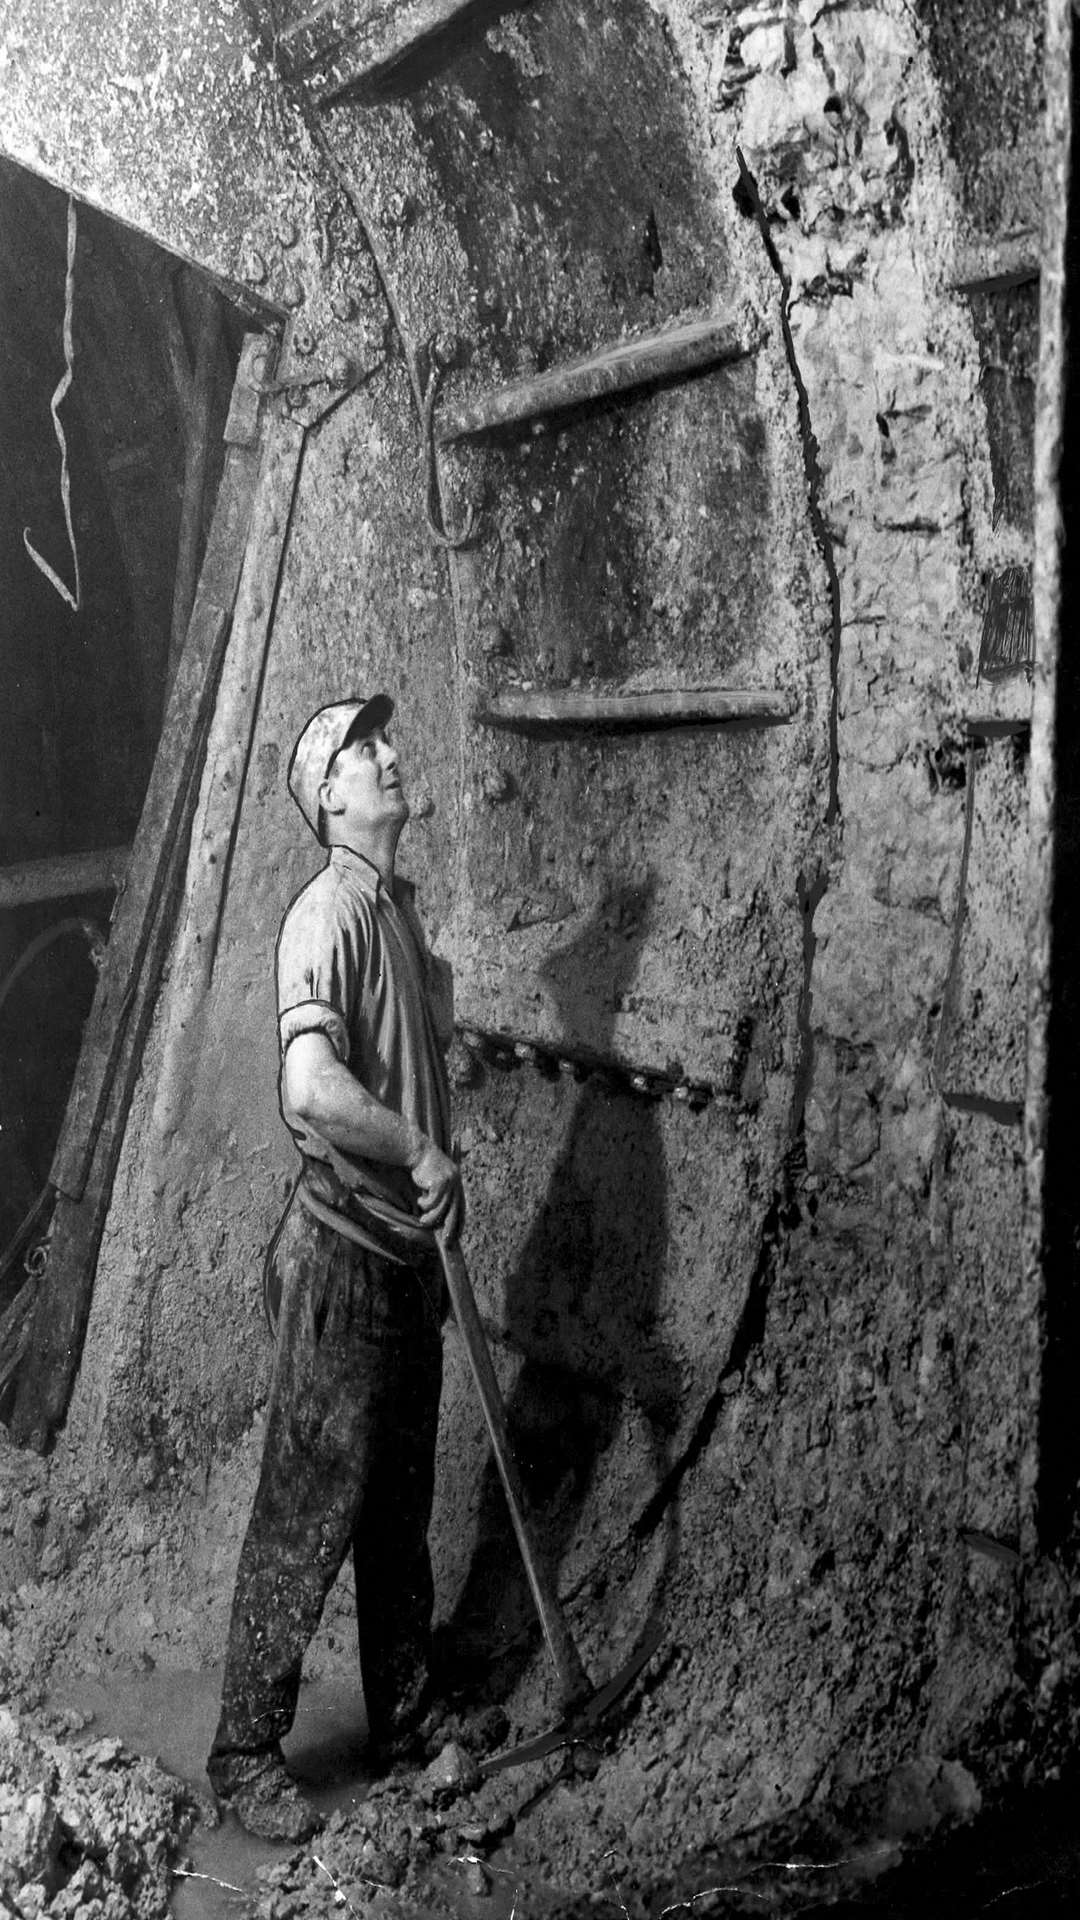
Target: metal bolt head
342, 370
292, 293
496, 785
462, 1064
287, 232
343, 306
253, 268
303, 341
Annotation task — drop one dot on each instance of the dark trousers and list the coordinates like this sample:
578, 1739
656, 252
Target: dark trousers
348, 1464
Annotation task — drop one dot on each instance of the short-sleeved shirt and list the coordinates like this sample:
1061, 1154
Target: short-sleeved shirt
352, 963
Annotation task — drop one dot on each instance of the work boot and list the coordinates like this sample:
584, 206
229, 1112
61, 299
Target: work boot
265, 1798
387, 1750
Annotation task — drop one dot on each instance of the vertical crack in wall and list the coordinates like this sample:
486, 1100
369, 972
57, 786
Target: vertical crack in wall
809, 888
814, 477
748, 1336
813, 879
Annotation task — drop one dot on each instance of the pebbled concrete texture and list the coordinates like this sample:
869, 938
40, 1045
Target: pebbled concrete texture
766, 1362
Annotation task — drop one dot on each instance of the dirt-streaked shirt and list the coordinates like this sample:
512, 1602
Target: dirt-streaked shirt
352, 963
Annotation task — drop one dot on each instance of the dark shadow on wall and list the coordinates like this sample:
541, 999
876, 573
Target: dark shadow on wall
581, 1305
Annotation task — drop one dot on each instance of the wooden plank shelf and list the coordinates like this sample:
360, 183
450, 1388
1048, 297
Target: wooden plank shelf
65, 876
997, 266
996, 726
555, 708
343, 43
672, 353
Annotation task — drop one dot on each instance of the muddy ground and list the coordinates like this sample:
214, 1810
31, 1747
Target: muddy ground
91, 1830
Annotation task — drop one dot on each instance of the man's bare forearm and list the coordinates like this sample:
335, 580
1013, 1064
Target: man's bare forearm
341, 1109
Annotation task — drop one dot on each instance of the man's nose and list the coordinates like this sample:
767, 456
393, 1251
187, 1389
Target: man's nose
389, 756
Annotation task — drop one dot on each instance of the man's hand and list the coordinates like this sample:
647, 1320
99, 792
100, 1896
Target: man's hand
437, 1180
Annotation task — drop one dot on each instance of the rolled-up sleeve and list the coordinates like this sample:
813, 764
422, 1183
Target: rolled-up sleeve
316, 972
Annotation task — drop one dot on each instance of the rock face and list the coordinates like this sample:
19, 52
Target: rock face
770, 1361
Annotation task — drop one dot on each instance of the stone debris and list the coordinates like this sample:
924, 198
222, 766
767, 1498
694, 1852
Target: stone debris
452, 1772
87, 1833
395, 1841
472, 1871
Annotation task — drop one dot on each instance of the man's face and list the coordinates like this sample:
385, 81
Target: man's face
363, 787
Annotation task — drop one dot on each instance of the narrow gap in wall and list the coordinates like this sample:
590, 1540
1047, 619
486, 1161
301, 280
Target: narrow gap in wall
82, 693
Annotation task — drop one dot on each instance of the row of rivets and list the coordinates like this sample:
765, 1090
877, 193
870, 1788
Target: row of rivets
500, 1050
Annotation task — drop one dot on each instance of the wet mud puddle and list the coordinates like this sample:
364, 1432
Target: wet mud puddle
169, 1715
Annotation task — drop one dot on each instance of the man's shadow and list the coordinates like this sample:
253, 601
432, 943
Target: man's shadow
581, 1307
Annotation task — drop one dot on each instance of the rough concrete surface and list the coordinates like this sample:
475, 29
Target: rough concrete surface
763, 1360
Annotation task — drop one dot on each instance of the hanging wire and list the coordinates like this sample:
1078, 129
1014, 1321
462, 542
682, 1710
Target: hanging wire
72, 923
73, 600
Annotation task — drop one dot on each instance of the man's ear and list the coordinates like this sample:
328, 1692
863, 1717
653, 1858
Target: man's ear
328, 800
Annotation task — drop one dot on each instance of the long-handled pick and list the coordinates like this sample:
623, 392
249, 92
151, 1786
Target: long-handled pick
579, 1703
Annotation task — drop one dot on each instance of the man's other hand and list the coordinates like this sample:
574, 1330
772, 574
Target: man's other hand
439, 1195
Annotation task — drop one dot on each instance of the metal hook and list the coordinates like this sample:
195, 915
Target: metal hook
434, 515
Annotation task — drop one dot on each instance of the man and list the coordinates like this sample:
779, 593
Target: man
352, 1281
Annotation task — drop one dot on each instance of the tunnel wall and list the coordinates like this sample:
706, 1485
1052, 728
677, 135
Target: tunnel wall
766, 1359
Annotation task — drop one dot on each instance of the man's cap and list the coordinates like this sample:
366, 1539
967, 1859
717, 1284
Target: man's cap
325, 734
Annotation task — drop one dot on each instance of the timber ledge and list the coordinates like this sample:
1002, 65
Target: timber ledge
669, 354
549, 708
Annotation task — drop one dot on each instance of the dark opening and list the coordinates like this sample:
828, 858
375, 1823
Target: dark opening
82, 693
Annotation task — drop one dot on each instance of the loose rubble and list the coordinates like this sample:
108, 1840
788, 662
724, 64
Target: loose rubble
415, 1818
87, 1833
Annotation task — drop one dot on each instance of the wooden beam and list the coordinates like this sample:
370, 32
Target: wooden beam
228, 759
344, 42
51, 1340
63, 877
176, 348
196, 462
995, 265
16, 1324
995, 726
165, 813
560, 707
672, 353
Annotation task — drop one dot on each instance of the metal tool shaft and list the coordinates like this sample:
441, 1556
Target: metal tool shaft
572, 1678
